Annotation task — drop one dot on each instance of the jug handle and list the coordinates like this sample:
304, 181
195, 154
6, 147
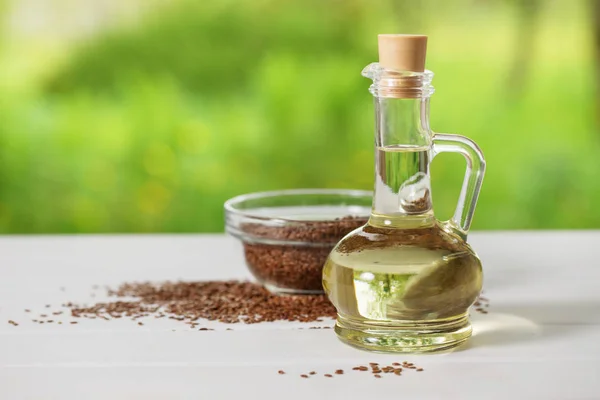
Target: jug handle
460, 223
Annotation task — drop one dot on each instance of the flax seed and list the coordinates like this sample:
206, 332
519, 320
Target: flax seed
225, 301
296, 267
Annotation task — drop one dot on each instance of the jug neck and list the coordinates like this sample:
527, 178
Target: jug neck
403, 138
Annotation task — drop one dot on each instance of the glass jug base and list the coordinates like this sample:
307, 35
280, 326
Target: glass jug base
406, 337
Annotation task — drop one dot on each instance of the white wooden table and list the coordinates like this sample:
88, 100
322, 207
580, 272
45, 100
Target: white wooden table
540, 340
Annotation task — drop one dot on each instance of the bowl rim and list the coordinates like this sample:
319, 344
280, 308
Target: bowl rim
230, 205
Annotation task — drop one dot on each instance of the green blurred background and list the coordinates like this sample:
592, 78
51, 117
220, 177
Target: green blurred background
145, 115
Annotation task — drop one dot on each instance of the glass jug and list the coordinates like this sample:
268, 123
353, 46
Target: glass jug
404, 281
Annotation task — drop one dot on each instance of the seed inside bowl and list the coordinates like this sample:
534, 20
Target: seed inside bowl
295, 267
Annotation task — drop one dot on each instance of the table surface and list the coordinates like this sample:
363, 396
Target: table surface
540, 339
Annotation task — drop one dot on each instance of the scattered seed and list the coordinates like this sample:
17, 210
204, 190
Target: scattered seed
395, 363
13, 323
140, 323
312, 372
27, 310
225, 301
329, 375
419, 369
280, 372
73, 322
377, 376
339, 371
304, 376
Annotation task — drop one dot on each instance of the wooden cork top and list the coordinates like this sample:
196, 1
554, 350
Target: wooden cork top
403, 52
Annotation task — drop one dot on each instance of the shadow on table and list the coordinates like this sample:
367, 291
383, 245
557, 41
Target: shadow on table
505, 325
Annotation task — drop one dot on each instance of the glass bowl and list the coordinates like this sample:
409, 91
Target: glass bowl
288, 234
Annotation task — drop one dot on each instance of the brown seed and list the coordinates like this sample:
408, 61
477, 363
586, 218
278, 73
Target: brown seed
329, 375
295, 267
140, 323
13, 323
377, 376
395, 363
27, 310
312, 372
73, 322
225, 301
339, 371
304, 376
419, 369
43, 315
280, 372
398, 372
60, 323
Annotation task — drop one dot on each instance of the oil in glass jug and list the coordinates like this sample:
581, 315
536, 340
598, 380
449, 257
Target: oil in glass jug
404, 281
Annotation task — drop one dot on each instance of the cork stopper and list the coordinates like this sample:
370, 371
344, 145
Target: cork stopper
403, 52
